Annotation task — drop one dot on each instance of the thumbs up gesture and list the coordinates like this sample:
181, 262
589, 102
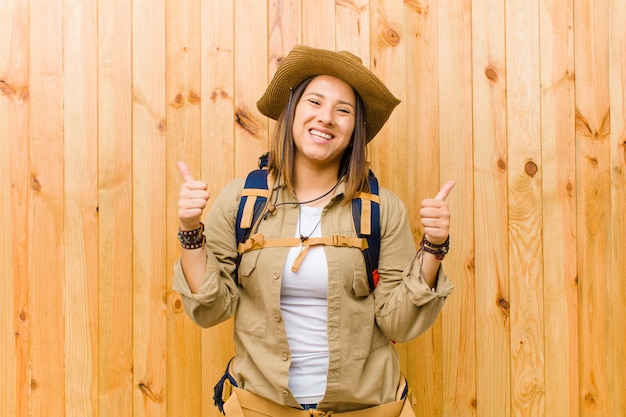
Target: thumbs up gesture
436, 215
192, 199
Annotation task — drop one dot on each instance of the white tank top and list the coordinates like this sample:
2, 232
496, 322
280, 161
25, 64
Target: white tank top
304, 308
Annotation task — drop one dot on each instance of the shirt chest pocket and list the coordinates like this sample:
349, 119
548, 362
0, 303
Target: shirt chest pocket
366, 336
251, 317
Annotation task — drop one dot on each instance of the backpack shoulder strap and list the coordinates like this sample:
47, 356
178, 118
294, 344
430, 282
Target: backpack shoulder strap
366, 217
253, 198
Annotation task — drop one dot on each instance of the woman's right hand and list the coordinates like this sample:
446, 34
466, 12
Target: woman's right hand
192, 199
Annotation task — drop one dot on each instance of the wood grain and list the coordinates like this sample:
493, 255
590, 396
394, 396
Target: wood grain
455, 137
115, 208
14, 212
183, 91
250, 51
593, 204
217, 138
559, 207
80, 105
490, 173
617, 240
149, 209
525, 202
522, 103
46, 210
420, 143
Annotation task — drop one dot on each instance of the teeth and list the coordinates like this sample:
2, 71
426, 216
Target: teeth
320, 134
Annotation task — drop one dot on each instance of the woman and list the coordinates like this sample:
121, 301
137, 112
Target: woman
309, 333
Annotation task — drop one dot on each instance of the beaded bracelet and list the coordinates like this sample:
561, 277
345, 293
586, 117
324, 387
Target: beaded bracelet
440, 251
192, 239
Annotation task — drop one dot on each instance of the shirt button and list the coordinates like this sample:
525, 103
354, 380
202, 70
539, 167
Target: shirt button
331, 374
276, 318
285, 393
275, 276
285, 356
294, 206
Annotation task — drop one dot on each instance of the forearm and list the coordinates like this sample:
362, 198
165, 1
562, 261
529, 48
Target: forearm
430, 268
193, 263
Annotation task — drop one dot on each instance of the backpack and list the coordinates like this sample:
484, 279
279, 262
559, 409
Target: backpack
365, 215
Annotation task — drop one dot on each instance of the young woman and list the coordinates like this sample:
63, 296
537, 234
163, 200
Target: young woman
309, 332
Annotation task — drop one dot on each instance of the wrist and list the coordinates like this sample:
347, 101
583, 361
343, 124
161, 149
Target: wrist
438, 250
192, 239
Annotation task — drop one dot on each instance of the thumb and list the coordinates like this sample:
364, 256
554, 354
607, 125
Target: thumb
445, 190
185, 172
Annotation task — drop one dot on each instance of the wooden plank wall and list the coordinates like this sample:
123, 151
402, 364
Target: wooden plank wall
523, 103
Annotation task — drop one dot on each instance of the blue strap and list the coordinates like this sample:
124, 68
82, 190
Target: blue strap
373, 240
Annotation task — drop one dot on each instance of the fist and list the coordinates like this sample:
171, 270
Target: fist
435, 215
192, 199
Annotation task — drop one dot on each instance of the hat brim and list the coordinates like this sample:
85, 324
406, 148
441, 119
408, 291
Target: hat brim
304, 62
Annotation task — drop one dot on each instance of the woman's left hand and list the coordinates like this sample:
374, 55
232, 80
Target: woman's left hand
435, 215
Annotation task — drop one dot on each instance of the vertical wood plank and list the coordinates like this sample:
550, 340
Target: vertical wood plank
149, 208
617, 240
184, 370
284, 18
525, 220
14, 208
490, 177
80, 60
251, 51
352, 27
46, 251
115, 330
392, 147
455, 127
591, 20
318, 23
217, 138
420, 95
115, 208
10, 334
559, 207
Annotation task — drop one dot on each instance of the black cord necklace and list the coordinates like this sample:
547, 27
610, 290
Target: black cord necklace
272, 207
303, 237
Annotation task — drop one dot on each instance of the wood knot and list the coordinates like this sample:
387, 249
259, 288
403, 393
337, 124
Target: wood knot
35, 185
589, 398
503, 304
531, 168
501, 164
219, 93
193, 98
147, 392
22, 316
178, 101
161, 126
6, 88
178, 304
491, 74
243, 119
392, 37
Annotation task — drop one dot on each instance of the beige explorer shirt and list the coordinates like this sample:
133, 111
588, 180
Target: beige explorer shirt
364, 367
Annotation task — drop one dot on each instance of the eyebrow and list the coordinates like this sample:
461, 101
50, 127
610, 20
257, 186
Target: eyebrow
347, 103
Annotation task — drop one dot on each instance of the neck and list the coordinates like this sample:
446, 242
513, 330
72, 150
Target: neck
313, 182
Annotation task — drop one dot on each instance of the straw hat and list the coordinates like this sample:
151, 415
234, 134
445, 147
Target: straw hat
304, 62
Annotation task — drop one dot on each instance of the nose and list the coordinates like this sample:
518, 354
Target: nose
326, 115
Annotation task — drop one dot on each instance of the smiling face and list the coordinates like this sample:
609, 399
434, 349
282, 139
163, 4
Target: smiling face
324, 121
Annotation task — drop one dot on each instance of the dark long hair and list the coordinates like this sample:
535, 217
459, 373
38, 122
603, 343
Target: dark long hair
353, 167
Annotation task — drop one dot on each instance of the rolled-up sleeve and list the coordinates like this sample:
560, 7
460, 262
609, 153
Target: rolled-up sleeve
217, 297
405, 305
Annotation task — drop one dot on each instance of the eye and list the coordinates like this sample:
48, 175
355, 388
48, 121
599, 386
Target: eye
314, 101
344, 110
